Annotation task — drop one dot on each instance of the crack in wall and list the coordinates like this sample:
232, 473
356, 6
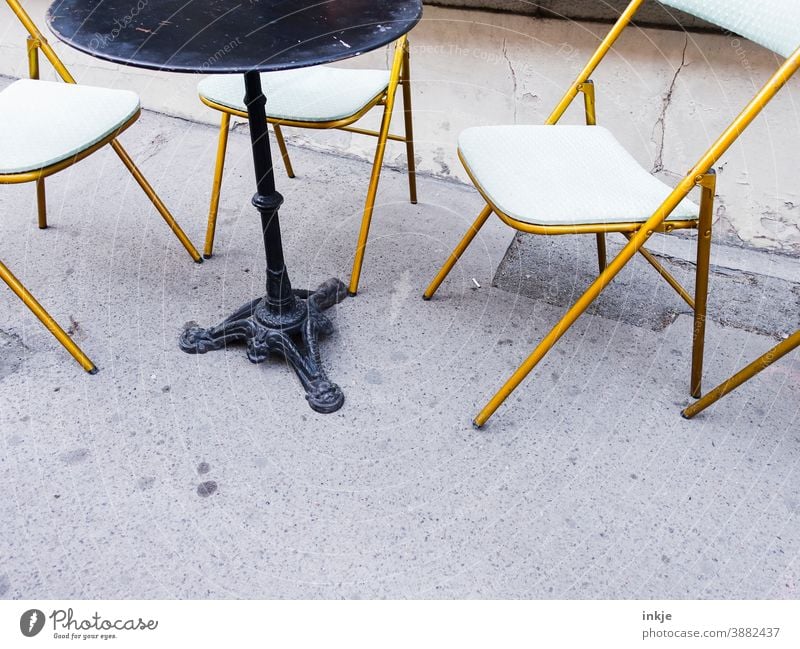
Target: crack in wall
513, 79
661, 123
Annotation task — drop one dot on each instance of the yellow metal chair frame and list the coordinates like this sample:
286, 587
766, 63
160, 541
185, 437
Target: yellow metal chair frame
701, 175
36, 42
756, 367
400, 75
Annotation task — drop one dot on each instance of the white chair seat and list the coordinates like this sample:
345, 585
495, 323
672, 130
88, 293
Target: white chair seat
318, 94
563, 176
44, 122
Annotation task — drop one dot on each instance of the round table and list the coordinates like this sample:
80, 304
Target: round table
247, 37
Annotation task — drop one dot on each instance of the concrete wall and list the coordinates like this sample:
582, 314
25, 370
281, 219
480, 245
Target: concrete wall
664, 93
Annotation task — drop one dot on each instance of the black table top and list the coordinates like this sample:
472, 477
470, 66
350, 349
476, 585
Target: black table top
226, 36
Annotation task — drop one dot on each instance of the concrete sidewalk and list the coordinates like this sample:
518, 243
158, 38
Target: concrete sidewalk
586, 484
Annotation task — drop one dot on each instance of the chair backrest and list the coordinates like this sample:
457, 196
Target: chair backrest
775, 24
772, 23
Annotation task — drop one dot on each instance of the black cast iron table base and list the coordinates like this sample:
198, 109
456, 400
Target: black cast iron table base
285, 321
292, 332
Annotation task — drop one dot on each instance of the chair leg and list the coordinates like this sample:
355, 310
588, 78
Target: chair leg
601, 251
456, 254
369, 208
577, 309
216, 186
409, 125
157, 203
22, 293
777, 352
538, 354
41, 204
284, 151
701, 281
383, 136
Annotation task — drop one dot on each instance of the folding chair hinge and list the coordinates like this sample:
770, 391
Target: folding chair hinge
34, 45
707, 180
587, 88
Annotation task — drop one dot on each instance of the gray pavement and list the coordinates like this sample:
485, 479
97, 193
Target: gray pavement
586, 484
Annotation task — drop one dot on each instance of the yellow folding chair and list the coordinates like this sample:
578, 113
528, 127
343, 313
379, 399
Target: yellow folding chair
46, 127
578, 179
321, 97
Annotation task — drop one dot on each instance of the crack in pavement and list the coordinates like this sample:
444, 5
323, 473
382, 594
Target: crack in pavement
152, 148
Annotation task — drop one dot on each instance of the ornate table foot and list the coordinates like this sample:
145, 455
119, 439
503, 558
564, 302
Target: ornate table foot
292, 331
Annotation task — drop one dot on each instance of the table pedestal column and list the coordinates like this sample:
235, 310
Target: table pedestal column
286, 321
